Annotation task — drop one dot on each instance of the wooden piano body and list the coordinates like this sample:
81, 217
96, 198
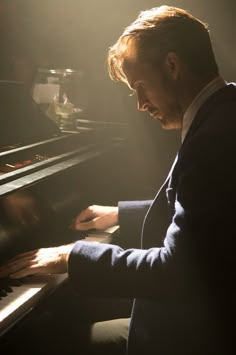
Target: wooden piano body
45, 180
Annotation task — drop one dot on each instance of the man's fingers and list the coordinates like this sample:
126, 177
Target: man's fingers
85, 215
32, 270
15, 266
28, 254
83, 226
83, 218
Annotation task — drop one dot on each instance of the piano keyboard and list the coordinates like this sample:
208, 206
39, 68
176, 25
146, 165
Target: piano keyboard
18, 297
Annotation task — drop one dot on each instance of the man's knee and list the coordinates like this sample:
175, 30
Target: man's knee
109, 337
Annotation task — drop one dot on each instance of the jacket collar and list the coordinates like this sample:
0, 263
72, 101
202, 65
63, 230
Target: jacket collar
226, 94
212, 87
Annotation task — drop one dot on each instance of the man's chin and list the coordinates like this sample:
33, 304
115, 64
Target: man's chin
167, 125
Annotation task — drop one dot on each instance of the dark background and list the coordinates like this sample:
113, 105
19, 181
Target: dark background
77, 34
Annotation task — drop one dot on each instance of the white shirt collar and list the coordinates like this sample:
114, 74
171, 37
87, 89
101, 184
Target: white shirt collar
198, 101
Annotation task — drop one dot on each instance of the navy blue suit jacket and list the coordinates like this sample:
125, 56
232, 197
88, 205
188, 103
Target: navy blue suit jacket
183, 277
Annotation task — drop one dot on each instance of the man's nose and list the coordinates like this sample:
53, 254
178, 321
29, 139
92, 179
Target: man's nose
142, 102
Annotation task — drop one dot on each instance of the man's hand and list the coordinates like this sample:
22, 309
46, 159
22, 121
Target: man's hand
41, 261
96, 217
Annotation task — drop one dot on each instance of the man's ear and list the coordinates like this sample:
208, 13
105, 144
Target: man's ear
172, 65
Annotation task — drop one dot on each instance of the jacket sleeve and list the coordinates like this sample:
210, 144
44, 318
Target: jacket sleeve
109, 270
131, 217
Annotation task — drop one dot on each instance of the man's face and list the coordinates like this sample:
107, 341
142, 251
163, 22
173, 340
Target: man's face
157, 91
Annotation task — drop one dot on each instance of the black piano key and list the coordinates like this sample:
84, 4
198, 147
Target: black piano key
8, 288
15, 282
3, 293
7, 284
3, 282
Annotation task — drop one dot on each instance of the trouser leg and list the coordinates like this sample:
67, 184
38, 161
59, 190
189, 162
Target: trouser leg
109, 337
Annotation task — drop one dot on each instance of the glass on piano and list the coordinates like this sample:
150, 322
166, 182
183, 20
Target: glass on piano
62, 95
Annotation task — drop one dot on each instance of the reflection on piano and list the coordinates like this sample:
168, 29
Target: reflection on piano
46, 177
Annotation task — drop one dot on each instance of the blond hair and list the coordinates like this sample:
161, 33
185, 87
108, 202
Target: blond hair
159, 31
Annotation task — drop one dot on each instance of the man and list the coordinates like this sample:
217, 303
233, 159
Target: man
183, 277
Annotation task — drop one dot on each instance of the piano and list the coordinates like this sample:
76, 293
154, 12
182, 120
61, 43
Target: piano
46, 177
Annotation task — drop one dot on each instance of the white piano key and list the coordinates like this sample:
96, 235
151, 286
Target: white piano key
24, 297
14, 300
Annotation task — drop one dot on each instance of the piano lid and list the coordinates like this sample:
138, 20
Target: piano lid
21, 119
